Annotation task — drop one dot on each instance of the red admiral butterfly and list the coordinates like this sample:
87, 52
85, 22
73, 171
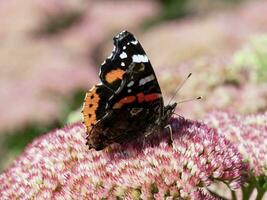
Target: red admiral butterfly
128, 102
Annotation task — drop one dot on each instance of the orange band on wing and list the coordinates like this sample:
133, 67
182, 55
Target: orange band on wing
149, 97
140, 97
90, 106
152, 97
114, 75
123, 101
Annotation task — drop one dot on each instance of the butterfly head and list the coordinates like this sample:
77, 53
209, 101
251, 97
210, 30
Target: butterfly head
169, 110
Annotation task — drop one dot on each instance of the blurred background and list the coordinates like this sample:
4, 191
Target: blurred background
50, 53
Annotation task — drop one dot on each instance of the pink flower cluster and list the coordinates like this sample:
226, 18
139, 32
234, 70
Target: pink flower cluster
248, 133
59, 165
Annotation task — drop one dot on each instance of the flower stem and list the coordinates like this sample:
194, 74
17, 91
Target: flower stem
260, 194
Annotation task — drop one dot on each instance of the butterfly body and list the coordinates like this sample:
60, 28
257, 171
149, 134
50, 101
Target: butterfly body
128, 103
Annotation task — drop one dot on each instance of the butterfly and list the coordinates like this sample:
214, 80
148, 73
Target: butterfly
128, 102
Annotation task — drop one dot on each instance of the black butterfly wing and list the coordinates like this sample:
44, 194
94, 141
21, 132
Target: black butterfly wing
139, 87
129, 99
136, 102
127, 55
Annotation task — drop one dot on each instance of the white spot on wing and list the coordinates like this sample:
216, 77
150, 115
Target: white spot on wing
139, 58
134, 42
123, 55
147, 79
129, 91
130, 84
124, 47
122, 64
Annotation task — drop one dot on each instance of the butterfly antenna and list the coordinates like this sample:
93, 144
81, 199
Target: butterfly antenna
184, 101
179, 88
188, 100
176, 114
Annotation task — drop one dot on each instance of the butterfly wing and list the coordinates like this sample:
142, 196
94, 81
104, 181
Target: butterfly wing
136, 101
126, 53
94, 106
130, 98
139, 87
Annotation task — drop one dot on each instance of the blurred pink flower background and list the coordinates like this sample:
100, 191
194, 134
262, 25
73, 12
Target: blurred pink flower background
50, 55
60, 166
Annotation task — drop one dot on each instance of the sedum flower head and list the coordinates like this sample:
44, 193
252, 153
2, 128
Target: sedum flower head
59, 165
248, 133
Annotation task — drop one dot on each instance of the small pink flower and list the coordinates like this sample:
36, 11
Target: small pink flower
248, 133
59, 165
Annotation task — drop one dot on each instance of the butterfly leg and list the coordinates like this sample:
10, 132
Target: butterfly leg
147, 134
144, 142
170, 131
